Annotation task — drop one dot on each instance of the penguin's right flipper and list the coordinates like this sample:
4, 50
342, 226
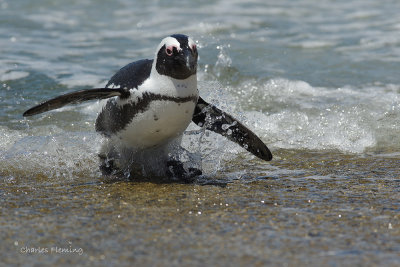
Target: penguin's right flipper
75, 98
222, 123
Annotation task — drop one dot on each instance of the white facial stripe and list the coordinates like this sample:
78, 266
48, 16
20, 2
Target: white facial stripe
191, 42
170, 41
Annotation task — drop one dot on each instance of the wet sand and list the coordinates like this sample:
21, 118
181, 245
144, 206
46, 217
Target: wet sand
327, 210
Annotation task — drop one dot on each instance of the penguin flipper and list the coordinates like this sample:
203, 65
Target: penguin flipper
222, 123
75, 98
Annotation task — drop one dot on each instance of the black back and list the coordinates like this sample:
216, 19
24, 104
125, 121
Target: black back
132, 75
114, 117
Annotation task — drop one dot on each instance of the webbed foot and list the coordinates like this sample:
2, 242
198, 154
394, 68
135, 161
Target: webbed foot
175, 169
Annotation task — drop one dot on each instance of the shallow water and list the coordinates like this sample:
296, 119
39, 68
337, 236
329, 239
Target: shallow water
319, 83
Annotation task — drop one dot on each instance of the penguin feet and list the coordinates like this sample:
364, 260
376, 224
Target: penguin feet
107, 165
175, 169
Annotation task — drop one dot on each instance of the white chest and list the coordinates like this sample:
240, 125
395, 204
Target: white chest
162, 121
165, 117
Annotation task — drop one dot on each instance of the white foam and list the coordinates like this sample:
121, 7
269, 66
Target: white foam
8, 137
82, 80
297, 115
49, 20
13, 75
64, 156
292, 115
312, 44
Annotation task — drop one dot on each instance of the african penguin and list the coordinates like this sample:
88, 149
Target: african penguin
151, 103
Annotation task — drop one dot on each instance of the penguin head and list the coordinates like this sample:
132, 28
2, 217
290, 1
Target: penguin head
177, 57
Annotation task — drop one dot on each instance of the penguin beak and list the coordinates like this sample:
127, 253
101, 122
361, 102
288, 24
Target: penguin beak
188, 59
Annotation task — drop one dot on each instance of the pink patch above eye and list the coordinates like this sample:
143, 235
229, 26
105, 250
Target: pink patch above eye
169, 50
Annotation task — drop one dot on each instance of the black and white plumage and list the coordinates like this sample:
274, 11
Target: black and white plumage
152, 102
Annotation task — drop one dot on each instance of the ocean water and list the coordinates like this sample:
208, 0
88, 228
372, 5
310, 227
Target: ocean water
318, 81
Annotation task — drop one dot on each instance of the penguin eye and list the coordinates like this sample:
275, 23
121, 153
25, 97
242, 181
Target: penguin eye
169, 50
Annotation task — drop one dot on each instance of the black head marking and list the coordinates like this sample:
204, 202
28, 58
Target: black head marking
182, 39
177, 57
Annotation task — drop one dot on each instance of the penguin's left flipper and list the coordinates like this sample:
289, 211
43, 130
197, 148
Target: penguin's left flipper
222, 123
75, 98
